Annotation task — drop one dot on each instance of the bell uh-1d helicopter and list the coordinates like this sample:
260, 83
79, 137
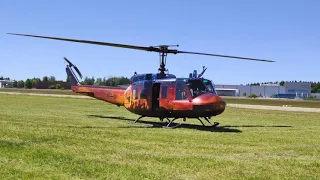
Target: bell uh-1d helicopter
161, 94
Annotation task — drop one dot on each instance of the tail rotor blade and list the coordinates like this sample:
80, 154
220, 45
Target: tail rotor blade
75, 67
78, 71
70, 63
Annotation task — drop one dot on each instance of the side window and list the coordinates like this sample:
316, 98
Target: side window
164, 90
181, 93
144, 93
135, 94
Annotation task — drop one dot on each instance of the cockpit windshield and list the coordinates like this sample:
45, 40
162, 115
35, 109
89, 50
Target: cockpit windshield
197, 87
210, 86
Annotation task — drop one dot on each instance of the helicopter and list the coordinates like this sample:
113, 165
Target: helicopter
161, 95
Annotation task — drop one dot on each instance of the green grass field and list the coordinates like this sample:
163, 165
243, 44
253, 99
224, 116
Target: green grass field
68, 138
230, 100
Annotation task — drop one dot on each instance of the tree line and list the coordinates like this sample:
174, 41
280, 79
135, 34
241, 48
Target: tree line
111, 81
50, 82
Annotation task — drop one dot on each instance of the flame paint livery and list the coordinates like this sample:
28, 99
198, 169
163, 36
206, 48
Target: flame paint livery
157, 98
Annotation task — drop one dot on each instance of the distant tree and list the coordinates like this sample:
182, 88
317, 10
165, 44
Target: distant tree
98, 82
88, 81
45, 79
58, 86
52, 79
315, 87
282, 83
2, 78
124, 80
244, 94
15, 84
28, 84
36, 81
20, 84
252, 96
92, 80
255, 84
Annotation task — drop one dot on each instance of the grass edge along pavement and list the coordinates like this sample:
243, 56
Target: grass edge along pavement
63, 138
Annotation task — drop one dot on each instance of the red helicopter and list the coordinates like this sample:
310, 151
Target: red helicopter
161, 94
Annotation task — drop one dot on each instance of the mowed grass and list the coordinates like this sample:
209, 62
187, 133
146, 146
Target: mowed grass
68, 138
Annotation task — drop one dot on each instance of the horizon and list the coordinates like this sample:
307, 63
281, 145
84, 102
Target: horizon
95, 78
285, 32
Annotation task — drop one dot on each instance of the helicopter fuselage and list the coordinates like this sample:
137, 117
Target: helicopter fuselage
163, 98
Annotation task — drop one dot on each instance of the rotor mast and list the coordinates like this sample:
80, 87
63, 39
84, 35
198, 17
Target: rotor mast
163, 52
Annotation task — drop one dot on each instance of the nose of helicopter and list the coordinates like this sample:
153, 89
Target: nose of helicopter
209, 102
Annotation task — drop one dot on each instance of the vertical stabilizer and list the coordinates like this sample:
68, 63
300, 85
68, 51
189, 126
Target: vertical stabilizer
71, 75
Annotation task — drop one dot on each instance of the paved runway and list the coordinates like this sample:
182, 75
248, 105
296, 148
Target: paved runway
279, 108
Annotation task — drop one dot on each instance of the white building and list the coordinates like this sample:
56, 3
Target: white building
289, 89
4, 83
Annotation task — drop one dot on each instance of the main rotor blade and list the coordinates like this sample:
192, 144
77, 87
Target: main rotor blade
93, 42
150, 48
225, 56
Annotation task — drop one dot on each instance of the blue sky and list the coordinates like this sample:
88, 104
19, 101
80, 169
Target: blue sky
287, 31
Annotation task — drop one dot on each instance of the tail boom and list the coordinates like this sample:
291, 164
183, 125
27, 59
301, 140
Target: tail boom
113, 95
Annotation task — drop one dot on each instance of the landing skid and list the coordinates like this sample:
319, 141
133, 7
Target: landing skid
138, 119
215, 124
170, 122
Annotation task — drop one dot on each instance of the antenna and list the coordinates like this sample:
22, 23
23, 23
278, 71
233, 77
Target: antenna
203, 70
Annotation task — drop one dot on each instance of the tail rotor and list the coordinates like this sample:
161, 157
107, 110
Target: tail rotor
71, 75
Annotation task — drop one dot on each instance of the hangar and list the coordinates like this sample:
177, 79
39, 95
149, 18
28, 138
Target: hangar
288, 90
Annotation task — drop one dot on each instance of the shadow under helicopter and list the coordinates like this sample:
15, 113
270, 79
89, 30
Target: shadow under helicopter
150, 124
